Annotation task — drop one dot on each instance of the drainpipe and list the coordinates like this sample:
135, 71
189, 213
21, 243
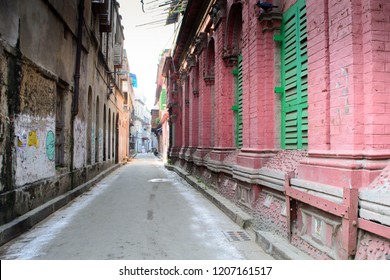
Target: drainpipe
75, 103
75, 100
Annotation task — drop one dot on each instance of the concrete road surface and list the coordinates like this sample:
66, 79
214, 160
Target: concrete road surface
141, 211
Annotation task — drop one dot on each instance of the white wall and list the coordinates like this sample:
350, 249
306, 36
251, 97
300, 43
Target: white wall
35, 148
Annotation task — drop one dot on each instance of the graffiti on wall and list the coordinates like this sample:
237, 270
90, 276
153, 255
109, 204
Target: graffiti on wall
50, 145
33, 139
33, 162
101, 144
22, 141
80, 143
93, 144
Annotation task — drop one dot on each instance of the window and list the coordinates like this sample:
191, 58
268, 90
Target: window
89, 126
294, 78
104, 132
109, 134
163, 99
60, 127
97, 128
238, 102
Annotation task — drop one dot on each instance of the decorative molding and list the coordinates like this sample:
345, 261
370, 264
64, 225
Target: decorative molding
229, 57
200, 42
209, 79
174, 87
191, 60
183, 75
173, 117
270, 21
218, 12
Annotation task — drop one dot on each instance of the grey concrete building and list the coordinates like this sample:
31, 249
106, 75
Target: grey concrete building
63, 114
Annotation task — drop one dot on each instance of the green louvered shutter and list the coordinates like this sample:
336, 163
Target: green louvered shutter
238, 102
294, 78
163, 99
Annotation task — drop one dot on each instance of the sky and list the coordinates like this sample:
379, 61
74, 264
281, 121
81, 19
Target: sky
144, 43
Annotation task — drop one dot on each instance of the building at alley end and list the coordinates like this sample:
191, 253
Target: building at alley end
65, 100
286, 112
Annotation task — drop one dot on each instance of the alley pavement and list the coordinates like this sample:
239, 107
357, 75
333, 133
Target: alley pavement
140, 211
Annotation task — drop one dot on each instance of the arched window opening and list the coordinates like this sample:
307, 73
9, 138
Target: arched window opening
113, 136
109, 134
234, 46
210, 62
97, 136
233, 42
89, 127
117, 138
104, 132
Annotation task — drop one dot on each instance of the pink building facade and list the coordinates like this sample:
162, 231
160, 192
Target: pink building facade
286, 112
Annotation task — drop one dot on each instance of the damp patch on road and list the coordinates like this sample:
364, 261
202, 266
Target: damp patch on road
160, 180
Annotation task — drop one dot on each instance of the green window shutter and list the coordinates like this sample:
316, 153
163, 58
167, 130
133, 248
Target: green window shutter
238, 102
294, 78
163, 99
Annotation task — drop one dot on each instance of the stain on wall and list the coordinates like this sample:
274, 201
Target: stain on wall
37, 91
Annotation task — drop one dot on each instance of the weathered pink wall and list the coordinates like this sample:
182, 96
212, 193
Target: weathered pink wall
371, 247
205, 103
260, 130
349, 123
348, 99
193, 108
348, 105
223, 94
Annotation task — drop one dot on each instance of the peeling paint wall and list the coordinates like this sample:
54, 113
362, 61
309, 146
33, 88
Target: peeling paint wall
93, 143
348, 123
43, 148
100, 144
318, 233
4, 119
35, 148
34, 127
227, 188
80, 143
372, 247
270, 213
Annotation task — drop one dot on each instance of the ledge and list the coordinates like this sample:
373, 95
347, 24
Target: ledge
235, 213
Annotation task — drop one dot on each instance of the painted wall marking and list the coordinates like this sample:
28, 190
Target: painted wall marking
33, 139
50, 145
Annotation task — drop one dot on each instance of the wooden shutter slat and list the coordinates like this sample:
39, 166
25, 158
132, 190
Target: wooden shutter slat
239, 102
294, 77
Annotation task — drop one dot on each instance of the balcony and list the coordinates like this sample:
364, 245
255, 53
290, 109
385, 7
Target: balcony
118, 55
103, 8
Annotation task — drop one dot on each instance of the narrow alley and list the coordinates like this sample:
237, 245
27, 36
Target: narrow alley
272, 119
140, 211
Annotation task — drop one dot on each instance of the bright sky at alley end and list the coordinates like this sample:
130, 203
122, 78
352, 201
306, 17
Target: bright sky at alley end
144, 41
